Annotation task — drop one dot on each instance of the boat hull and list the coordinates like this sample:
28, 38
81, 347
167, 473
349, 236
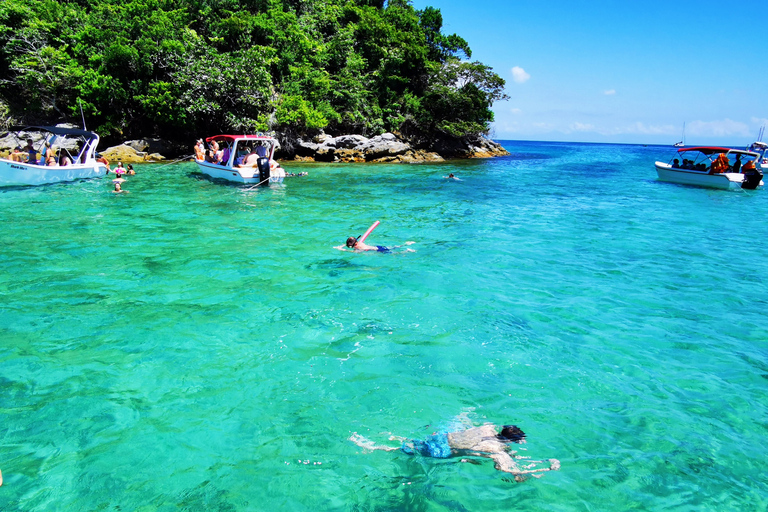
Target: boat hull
245, 175
723, 181
15, 174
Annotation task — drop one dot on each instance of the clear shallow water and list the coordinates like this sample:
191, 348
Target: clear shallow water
197, 346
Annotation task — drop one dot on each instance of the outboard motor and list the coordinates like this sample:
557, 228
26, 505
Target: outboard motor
752, 179
263, 164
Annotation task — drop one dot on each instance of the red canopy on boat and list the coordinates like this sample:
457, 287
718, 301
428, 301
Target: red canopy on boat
711, 150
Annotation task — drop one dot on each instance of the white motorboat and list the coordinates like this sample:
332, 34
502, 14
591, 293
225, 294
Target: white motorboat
76, 164
717, 167
229, 159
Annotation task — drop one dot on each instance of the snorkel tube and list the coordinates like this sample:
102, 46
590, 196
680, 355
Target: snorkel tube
370, 230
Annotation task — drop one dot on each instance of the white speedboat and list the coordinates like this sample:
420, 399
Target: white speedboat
716, 167
77, 164
242, 159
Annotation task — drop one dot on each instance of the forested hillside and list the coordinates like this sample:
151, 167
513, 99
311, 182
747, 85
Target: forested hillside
177, 69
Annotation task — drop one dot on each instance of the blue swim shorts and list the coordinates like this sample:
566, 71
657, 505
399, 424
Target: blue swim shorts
434, 446
381, 248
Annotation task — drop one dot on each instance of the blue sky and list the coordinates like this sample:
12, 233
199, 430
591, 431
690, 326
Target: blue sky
631, 72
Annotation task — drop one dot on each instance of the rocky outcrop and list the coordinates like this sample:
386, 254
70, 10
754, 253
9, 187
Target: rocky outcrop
137, 151
388, 147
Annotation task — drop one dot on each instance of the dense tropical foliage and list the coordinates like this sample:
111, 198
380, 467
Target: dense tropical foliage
177, 68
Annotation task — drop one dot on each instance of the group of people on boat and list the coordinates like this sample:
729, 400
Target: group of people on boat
721, 164
48, 157
247, 155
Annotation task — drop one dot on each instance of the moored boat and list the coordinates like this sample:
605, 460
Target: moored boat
79, 163
716, 167
242, 159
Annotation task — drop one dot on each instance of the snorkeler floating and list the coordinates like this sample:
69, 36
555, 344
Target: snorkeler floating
356, 244
473, 442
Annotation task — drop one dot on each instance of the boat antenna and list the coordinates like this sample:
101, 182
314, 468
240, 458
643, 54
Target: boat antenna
81, 113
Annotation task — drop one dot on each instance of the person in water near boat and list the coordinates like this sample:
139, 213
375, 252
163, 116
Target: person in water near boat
482, 441
129, 170
451, 176
119, 188
104, 161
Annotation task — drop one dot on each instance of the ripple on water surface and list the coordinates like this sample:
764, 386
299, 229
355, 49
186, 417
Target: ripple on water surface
200, 346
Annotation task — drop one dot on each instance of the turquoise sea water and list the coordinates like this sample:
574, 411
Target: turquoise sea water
199, 346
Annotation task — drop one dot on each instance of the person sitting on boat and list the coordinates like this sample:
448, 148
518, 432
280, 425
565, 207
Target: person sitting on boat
675, 163
472, 442
30, 149
16, 155
261, 150
49, 157
64, 158
224, 158
251, 159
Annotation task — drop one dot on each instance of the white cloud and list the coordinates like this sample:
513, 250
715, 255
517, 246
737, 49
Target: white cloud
519, 75
721, 128
760, 121
643, 129
581, 127
610, 92
516, 111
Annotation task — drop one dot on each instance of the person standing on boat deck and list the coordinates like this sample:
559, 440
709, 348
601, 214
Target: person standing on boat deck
199, 150
737, 164
30, 149
474, 442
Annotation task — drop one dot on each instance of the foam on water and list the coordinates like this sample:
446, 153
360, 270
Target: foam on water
198, 346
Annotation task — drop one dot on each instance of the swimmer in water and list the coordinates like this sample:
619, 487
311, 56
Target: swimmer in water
473, 442
119, 189
451, 176
356, 246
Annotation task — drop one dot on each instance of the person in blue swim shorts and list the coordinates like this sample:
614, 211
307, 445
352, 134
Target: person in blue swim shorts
353, 244
482, 441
